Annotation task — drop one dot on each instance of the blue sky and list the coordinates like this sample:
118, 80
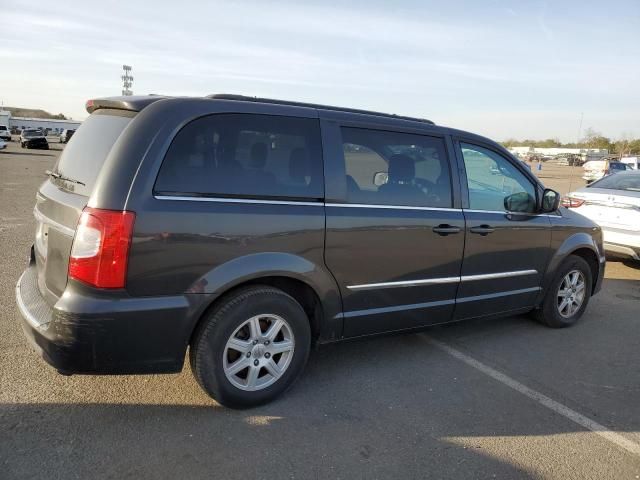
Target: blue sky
502, 69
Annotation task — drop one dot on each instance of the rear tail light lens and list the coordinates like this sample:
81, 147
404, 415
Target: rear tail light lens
100, 250
572, 202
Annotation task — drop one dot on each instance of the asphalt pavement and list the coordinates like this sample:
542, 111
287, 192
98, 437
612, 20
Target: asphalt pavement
505, 398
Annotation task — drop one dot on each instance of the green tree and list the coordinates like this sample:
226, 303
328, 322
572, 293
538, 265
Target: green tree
594, 139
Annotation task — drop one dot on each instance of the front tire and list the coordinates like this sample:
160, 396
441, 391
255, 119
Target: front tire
568, 295
251, 348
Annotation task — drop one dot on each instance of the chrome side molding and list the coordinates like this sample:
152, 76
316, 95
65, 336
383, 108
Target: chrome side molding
440, 280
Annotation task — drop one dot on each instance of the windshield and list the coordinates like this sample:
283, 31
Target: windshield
82, 159
622, 181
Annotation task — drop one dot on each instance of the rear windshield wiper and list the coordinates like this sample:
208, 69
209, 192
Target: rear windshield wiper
62, 177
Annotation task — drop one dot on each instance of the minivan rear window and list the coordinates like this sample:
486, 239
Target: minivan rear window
245, 155
85, 153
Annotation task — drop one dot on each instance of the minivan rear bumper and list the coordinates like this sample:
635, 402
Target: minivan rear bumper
96, 332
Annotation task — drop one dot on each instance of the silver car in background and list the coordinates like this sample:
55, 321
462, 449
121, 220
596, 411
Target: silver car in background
614, 203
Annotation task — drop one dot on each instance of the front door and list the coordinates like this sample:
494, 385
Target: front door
507, 246
394, 242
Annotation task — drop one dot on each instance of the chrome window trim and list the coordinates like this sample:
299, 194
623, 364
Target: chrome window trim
392, 207
441, 280
63, 228
294, 202
237, 200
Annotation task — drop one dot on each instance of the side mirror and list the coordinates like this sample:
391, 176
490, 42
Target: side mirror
380, 178
550, 201
520, 202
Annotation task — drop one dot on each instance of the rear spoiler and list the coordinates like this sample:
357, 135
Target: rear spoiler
131, 103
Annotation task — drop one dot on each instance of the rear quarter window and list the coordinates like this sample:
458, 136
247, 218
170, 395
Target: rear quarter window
245, 155
82, 158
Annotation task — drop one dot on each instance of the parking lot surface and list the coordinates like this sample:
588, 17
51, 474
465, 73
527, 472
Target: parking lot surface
503, 398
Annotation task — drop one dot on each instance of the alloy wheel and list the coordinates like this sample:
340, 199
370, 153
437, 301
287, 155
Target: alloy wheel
258, 352
571, 293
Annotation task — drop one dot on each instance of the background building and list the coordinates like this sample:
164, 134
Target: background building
49, 125
585, 154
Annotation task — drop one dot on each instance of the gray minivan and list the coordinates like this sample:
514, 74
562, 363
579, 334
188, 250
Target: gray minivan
246, 230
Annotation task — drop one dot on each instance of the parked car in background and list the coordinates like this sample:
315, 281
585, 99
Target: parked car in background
5, 133
570, 160
614, 203
632, 162
33, 138
247, 230
66, 135
3, 145
596, 169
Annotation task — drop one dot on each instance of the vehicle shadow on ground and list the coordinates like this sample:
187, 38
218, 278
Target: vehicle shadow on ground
158, 441
362, 410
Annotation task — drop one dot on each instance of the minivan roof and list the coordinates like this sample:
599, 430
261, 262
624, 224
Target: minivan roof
137, 103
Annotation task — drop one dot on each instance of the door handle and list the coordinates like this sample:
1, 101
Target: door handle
483, 230
445, 229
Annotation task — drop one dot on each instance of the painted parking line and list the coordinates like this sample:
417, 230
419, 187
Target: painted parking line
542, 399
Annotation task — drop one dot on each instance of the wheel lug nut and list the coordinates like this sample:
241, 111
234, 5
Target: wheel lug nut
256, 362
267, 355
267, 342
255, 342
248, 354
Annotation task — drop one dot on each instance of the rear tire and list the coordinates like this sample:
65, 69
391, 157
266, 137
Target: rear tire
568, 294
236, 355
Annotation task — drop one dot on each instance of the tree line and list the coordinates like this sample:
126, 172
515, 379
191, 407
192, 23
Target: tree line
592, 139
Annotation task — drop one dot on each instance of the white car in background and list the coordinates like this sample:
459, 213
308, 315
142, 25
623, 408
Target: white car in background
3, 145
5, 133
596, 169
632, 162
613, 203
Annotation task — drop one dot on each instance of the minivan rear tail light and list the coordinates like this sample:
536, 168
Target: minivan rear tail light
572, 202
100, 250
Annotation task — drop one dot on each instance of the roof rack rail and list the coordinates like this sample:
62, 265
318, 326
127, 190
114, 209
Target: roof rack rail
244, 98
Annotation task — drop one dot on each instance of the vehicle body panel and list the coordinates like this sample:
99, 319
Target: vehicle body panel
570, 233
618, 214
397, 245
514, 255
519, 245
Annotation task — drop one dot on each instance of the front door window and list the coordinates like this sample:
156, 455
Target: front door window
494, 183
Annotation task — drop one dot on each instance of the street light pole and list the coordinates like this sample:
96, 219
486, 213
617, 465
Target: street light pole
127, 80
